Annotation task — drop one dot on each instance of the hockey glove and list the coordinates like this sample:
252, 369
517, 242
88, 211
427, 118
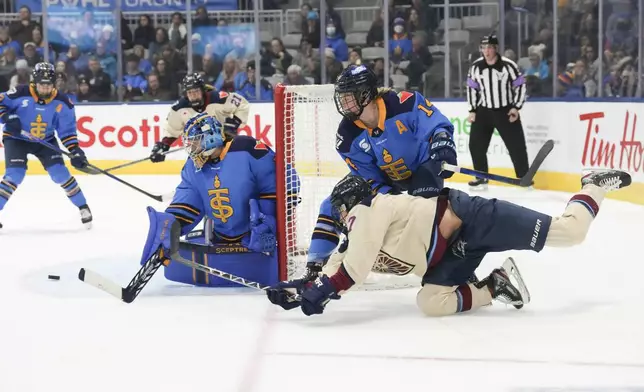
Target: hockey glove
79, 161
12, 125
442, 149
283, 293
317, 294
262, 230
160, 148
163, 227
231, 124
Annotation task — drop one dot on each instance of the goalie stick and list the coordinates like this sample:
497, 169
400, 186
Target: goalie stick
129, 293
524, 181
91, 169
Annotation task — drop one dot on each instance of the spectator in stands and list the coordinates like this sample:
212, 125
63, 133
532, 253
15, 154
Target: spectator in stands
222, 41
336, 42
154, 92
538, 66
226, 79
355, 56
333, 66
108, 39
420, 60
281, 59
245, 84
40, 45
177, 31
413, 22
145, 65
173, 60
305, 8
84, 91
6, 42
240, 50
333, 17
201, 18
127, 40
592, 65
74, 60
21, 30
210, 69
308, 59
83, 34
622, 37
622, 24
7, 68
100, 84
107, 60
63, 85
167, 79
22, 76
134, 81
144, 34
160, 40
572, 81
294, 76
31, 55
423, 16
400, 44
376, 34
379, 69
312, 29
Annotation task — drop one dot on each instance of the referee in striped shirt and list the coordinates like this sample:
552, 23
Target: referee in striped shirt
496, 91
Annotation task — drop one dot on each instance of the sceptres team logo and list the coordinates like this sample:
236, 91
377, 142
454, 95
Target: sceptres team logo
220, 202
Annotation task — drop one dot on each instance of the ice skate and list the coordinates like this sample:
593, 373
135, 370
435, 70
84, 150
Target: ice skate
609, 180
86, 216
480, 184
506, 285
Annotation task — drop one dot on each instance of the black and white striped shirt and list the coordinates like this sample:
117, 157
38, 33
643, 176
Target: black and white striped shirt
496, 86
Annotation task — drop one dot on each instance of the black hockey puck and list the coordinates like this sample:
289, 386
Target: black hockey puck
53, 277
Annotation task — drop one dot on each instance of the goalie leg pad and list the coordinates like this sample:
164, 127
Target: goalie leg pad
160, 234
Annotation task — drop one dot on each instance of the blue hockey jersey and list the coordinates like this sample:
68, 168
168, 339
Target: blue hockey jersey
391, 152
222, 189
41, 118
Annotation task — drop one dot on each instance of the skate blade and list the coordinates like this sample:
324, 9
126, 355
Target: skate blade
513, 272
478, 188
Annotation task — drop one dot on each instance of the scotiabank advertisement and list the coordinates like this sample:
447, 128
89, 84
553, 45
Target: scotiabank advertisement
586, 134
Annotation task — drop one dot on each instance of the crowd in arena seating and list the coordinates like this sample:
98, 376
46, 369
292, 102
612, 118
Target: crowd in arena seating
155, 58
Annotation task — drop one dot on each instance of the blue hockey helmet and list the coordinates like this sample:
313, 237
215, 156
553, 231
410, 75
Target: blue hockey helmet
356, 86
43, 74
201, 136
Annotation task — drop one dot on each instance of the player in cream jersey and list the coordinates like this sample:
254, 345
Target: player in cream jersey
230, 109
442, 240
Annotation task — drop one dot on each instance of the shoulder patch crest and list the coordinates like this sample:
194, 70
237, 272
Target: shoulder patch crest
404, 95
260, 146
223, 94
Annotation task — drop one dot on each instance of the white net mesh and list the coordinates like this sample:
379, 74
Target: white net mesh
309, 129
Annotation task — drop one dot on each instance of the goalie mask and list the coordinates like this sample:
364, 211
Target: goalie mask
348, 193
355, 88
201, 136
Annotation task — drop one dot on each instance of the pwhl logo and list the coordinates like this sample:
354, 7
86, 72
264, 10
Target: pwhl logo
599, 152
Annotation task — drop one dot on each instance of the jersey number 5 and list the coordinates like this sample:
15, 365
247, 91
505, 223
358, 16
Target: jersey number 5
427, 111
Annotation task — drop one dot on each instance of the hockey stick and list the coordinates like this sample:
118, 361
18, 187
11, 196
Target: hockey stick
91, 169
139, 161
524, 181
129, 293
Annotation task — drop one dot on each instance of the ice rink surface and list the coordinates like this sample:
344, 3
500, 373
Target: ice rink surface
584, 329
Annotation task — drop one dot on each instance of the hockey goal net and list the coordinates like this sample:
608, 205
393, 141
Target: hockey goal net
306, 122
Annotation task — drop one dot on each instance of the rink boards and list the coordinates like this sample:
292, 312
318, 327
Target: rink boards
586, 135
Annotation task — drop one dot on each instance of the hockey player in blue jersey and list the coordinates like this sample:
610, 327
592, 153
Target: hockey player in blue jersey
41, 110
396, 141
230, 181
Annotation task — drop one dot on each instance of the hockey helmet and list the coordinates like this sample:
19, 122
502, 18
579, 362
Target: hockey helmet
43, 74
489, 40
190, 82
356, 86
201, 136
348, 193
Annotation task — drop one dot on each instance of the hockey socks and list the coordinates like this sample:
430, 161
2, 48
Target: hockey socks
572, 226
6, 190
73, 191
